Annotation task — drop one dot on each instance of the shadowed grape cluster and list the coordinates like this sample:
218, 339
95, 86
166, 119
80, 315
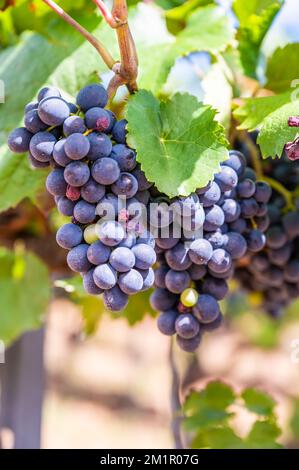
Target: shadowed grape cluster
273, 274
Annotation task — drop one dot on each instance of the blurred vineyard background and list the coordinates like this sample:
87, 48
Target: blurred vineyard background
108, 379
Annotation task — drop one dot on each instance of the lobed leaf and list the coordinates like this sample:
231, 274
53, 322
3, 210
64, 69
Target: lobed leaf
24, 293
255, 18
282, 69
179, 144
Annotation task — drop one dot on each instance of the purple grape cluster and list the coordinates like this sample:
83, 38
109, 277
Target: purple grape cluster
194, 269
96, 181
273, 273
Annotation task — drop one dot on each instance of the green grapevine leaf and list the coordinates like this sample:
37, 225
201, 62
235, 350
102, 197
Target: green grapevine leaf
269, 114
176, 17
215, 32
207, 414
93, 307
137, 309
24, 293
275, 132
156, 60
217, 438
253, 111
255, 17
263, 435
294, 423
208, 407
258, 402
179, 144
283, 68
17, 180
167, 4
151, 48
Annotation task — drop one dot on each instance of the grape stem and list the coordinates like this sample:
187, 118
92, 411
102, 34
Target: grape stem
278, 187
254, 154
175, 400
107, 15
107, 58
128, 68
125, 71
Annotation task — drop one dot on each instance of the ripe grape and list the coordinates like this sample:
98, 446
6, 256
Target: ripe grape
130, 282
214, 218
42, 145
105, 276
125, 185
122, 259
65, 206
200, 251
246, 188
115, 299
55, 182
77, 258
143, 182
148, 277
105, 171
98, 119
206, 309
119, 131
187, 326
76, 146
162, 299
177, 281
76, 173
73, 125
92, 191
91, 96
124, 156
178, 257
33, 123
69, 236
89, 284
59, 154
145, 256
111, 233
166, 322
236, 161
84, 212
211, 196
217, 288
98, 253
100, 146
53, 111
189, 344
227, 179
220, 261
48, 92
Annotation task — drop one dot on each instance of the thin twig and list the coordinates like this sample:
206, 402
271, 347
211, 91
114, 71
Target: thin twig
125, 71
254, 154
107, 58
175, 401
279, 188
107, 15
128, 54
